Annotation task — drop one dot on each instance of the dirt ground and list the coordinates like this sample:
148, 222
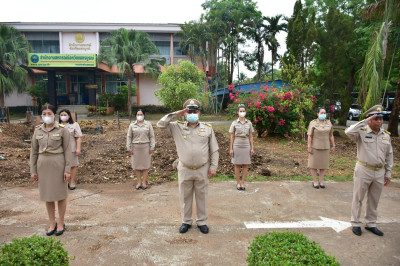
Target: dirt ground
104, 157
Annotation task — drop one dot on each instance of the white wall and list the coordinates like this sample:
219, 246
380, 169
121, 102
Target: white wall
147, 87
19, 99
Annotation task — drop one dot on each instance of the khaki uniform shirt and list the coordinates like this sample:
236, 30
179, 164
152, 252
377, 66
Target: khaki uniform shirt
75, 132
320, 133
46, 142
195, 146
140, 134
372, 149
241, 130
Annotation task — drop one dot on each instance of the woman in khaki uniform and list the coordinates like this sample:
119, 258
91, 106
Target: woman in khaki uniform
241, 145
50, 164
140, 142
320, 137
75, 143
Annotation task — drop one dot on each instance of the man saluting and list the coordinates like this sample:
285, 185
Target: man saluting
198, 155
373, 169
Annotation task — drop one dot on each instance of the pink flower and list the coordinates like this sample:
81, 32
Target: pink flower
255, 122
231, 94
257, 104
235, 100
249, 105
332, 108
231, 87
270, 109
281, 122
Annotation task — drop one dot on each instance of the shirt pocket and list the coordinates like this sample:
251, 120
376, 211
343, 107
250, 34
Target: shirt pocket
369, 143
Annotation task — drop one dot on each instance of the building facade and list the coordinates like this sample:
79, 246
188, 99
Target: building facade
64, 58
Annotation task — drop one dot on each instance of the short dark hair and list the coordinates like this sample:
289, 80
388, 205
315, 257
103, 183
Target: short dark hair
320, 108
49, 107
140, 110
70, 121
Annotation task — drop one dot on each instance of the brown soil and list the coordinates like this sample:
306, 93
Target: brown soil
104, 157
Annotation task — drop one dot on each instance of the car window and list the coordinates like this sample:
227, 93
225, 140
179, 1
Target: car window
354, 106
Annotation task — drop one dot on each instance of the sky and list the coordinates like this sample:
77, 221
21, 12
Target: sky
126, 11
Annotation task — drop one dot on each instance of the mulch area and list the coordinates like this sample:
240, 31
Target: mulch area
104, 157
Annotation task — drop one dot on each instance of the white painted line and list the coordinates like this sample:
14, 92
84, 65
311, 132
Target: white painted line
324, 222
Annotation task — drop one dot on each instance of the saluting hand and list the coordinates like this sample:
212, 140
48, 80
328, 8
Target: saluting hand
66, 177
182, 112
34, 177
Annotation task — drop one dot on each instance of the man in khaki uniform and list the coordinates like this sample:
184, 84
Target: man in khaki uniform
198, 155
373, 169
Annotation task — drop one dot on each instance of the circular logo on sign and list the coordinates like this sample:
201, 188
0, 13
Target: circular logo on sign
79, 37
35, 58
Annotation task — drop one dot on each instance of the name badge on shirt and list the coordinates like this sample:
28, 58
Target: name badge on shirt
56, 135
385, 138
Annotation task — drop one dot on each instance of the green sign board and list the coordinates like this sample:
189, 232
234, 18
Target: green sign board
62, 60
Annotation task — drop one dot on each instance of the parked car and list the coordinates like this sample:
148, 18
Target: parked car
354, 112
386, 115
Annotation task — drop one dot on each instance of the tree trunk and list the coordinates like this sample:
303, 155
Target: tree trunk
347, 100
394, 116
272, 65
1, 99
130, 94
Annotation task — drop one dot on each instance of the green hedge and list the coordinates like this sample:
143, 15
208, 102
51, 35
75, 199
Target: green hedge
287, 248
17, 109
153, 109
34, 250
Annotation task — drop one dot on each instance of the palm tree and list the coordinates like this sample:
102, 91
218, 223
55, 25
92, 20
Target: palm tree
125, 50
372, 71
273, 28
14, 50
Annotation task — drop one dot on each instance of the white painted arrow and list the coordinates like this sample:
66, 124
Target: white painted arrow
324, 222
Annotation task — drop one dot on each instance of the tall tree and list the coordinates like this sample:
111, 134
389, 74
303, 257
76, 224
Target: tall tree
14, 50
233, 15
389, 12
273, 28
127, 48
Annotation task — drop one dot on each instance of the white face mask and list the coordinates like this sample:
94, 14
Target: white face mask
64, 118
242, 114
140, 118
48, 119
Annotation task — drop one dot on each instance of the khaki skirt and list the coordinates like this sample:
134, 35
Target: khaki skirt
141, 158
241, 151
319, 159
51, 177
74, 160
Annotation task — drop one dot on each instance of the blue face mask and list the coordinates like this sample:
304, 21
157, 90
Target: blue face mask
322, 117
192, 118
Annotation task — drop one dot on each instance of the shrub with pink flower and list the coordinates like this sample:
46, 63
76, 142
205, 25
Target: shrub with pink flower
284, 112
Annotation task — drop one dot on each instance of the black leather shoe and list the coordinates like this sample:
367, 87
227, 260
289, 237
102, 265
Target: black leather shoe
203, 229
51, 232
374, 230
357, 230
317, 187
58, 233
184, 228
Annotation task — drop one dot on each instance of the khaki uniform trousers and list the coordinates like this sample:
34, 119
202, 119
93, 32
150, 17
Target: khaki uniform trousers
193, 182
371, 181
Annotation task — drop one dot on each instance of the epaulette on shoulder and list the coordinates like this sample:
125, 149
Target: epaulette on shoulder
61, 125
207, 124
388, 132
363, 128
37, 126
180, 122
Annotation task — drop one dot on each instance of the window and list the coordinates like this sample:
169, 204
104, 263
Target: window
113, 81
61, 82
177, 49
164, 47
44, 42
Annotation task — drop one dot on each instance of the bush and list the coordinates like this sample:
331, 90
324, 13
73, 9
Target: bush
287, 248
34, 250
284, 112
152, 109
